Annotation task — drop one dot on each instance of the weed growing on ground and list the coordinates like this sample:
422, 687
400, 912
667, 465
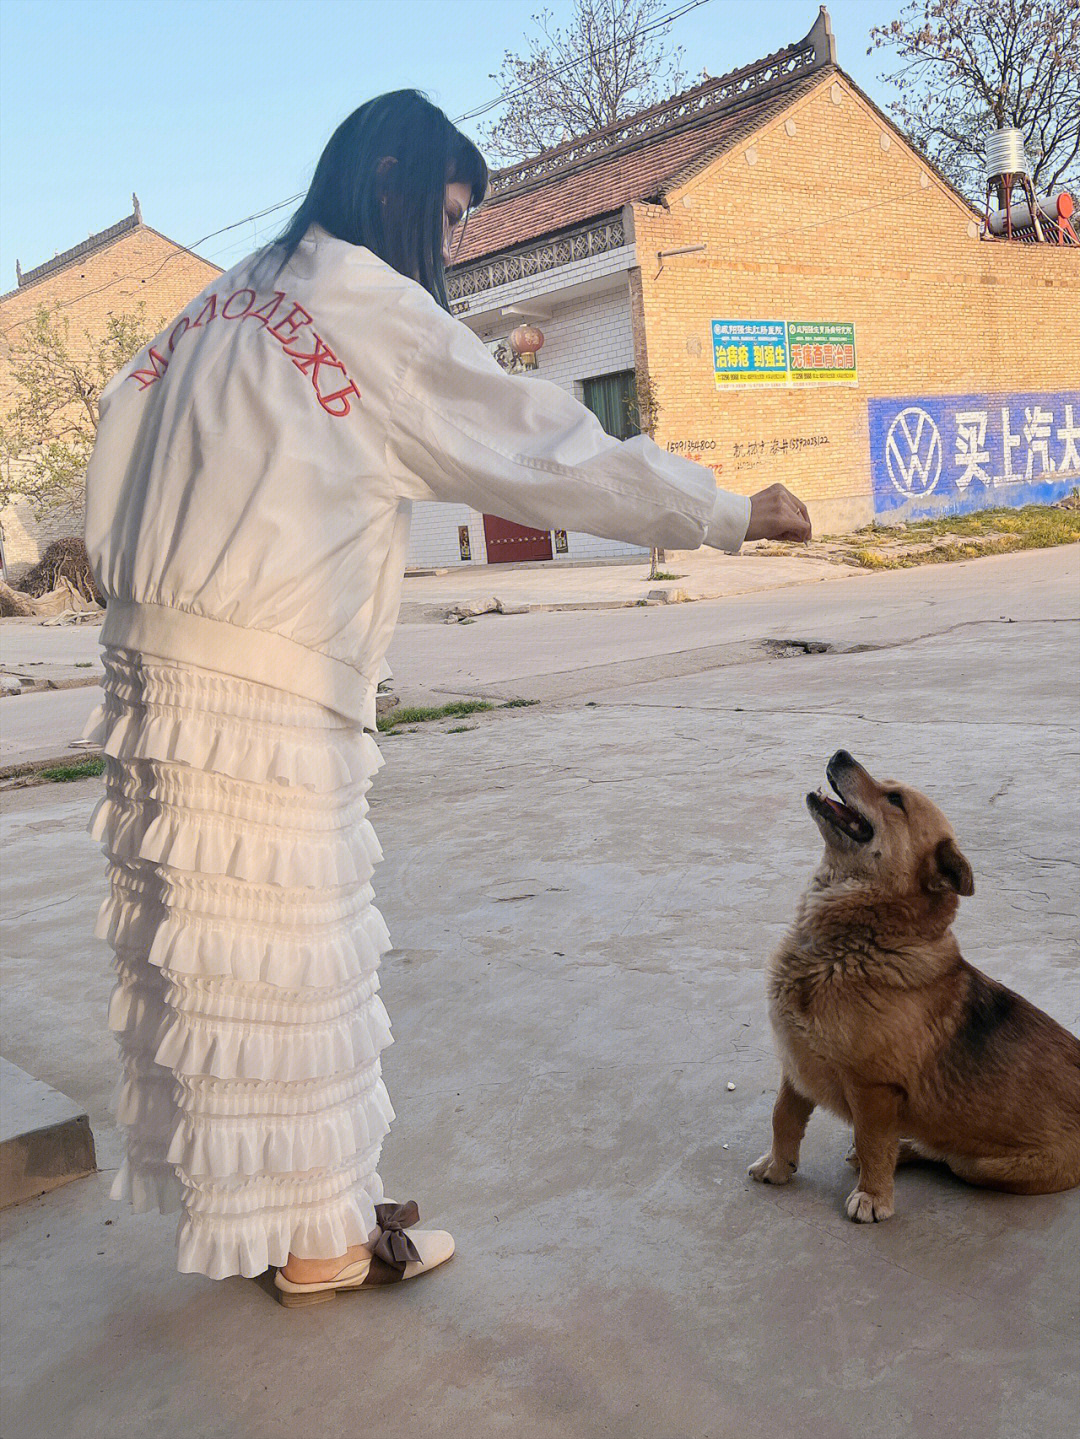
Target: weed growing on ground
457, 709
62, 774
420, 715
988, 532
949, 537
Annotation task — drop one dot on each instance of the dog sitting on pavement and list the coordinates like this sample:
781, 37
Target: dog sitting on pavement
878, 1017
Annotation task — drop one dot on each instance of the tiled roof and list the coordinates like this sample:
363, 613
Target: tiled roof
84, 248
642, 157
90, 246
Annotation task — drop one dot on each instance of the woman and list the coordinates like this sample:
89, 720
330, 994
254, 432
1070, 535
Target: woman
247, 515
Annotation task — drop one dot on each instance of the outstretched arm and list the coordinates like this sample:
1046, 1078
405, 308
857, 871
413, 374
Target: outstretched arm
461, 429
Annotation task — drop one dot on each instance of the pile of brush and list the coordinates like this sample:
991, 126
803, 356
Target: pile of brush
63, 560
13, 605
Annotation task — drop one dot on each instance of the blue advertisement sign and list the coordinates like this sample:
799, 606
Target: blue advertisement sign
749, 352
946, 454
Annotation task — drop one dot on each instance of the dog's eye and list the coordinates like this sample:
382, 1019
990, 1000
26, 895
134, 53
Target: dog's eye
894, 797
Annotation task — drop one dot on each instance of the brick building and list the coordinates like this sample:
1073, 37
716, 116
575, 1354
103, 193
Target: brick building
793, 293
112, 272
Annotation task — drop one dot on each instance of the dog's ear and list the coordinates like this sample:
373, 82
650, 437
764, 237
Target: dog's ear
953, 868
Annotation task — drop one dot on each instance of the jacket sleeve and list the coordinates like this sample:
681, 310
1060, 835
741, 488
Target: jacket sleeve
460, 429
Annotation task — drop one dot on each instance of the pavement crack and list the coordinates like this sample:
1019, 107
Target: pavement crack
37, 908
818, 713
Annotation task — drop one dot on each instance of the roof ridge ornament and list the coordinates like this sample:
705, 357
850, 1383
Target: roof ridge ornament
87, 247
815, 51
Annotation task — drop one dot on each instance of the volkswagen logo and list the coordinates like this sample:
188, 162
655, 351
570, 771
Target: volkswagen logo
913, 453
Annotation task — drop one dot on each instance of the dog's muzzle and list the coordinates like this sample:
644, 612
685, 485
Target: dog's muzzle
841, 815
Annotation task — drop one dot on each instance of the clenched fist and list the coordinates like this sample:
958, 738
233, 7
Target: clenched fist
776, 514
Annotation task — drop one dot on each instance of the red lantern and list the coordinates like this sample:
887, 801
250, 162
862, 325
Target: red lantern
525, 341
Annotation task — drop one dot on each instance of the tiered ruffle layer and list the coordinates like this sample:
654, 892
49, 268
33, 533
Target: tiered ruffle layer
246, 945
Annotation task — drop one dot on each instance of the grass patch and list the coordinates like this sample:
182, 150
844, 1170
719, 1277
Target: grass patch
461, 728
63, 774
420, 715
663, 575
458, 709
968, 537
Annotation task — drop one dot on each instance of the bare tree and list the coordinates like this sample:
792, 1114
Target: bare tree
613, 59
968, 67
48, 433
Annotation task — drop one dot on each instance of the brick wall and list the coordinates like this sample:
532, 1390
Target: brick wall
825, 214
584, 338
138, 267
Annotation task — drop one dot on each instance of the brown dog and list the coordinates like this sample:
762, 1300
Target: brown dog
878, 1017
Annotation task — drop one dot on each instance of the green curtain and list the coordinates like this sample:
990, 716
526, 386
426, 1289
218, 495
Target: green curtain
613, 400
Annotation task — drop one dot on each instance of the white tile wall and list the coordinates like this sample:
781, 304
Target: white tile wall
585, 338
26, 537
433, 539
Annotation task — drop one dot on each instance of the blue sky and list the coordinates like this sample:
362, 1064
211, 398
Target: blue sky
214, 109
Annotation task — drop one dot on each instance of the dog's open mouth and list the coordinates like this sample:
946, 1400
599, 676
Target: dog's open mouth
841, 816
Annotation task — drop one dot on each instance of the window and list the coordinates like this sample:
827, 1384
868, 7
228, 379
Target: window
613, 400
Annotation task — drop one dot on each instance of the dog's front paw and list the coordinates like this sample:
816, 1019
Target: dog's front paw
768, 1170
867, 1208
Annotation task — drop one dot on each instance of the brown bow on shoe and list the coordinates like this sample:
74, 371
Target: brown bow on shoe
393, 1246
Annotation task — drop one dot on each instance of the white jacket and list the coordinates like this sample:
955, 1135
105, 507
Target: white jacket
249, 494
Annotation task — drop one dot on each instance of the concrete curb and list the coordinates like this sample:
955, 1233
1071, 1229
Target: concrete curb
45, 1139
26, 770
33, 687
416, 612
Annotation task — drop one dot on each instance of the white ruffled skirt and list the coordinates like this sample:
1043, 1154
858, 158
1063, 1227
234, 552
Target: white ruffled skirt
246, 946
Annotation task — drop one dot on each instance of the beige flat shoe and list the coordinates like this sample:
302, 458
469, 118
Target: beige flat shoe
400, 1252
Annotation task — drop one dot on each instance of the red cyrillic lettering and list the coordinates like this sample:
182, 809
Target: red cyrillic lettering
235, 295
311, 364
293, 324
308, 363
265, 312
158, 365
330, 402
210, 305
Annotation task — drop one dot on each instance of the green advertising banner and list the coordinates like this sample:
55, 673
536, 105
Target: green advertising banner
821, 353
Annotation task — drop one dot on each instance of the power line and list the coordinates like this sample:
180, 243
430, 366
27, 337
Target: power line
659, 23
184, 249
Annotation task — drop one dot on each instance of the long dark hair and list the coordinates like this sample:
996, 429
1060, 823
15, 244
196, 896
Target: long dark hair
381, 183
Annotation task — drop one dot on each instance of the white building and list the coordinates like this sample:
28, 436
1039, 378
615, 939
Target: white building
576, 288
554, 245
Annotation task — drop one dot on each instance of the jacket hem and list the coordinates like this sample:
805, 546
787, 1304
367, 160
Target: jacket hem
248, 654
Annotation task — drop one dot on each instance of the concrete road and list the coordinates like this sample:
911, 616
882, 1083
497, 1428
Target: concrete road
583, 895
555, 656
562, 655
45, 725
27, 645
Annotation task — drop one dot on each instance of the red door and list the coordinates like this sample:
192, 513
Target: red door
507, 541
